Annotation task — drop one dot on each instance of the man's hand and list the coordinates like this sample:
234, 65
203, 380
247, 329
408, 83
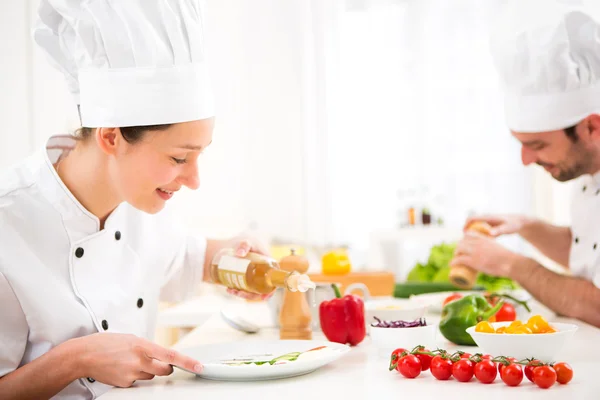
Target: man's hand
501, 224
483, 254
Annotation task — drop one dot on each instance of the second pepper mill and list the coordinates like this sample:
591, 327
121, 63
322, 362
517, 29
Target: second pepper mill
460, 275
295, 317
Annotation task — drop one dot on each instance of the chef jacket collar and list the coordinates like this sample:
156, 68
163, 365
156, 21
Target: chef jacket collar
596, 179
78, 221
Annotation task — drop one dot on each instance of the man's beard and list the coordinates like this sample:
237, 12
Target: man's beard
568, 174
583, 160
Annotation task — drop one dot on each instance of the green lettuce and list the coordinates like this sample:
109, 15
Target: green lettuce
437, 269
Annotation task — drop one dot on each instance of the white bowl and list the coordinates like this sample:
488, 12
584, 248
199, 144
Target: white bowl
543, 346
393, 310
389, 339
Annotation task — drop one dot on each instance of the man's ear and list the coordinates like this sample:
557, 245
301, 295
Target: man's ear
108, 139
593, 126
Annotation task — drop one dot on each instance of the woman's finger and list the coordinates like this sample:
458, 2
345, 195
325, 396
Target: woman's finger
144, 376
248, 295
243, 248
157, 367
172, 357
240, 293
260, 247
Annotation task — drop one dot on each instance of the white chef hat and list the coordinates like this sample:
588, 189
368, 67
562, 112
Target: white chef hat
547, 53
129, 62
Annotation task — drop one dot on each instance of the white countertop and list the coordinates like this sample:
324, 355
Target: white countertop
361, 373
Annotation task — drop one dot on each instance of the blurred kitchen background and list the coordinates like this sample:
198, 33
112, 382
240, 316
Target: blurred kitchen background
339, 122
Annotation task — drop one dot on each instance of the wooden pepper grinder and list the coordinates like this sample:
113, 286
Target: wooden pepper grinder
460, 275
295, 317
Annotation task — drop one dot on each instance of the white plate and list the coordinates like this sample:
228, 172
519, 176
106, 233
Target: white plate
215, 356
435, 300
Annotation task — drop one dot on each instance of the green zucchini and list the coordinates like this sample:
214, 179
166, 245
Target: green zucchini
407, 289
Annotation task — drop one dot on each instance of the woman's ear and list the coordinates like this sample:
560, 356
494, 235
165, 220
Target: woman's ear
108, 139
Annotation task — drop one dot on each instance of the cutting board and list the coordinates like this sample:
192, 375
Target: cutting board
379, 283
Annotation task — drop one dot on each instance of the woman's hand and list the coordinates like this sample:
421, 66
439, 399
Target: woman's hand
243, 245
120, 359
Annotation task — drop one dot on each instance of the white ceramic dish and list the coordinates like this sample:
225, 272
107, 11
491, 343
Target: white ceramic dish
215, 356
544, 346
393, 310
388, 339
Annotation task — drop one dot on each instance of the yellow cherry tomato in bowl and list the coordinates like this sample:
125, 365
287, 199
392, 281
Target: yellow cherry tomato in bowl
485, 327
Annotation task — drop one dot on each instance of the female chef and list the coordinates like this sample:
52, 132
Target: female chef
87, 247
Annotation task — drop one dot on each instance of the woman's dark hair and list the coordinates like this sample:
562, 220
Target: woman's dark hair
131, 134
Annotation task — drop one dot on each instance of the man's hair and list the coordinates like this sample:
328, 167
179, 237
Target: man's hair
571, 134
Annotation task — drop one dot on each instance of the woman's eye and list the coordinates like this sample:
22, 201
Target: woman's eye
179, 160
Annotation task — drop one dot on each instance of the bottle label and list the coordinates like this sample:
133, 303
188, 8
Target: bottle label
232, 272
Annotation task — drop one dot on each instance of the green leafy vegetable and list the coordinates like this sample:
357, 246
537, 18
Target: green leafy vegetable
496, 283
437, 269
421, 273
443, 275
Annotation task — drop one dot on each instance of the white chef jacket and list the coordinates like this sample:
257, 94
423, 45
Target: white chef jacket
62, 277
584, 258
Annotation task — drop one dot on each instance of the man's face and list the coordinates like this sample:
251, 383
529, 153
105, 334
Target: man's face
563, 157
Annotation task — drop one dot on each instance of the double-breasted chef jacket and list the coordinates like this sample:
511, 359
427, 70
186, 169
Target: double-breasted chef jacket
584, 258
62, 277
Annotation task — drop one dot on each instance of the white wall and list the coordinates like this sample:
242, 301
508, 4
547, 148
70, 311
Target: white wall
271, 165
253, 173
15, 87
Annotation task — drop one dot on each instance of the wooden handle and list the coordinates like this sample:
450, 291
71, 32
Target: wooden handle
463, 277
460, 275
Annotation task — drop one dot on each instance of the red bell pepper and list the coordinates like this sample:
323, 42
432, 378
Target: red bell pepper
343, 318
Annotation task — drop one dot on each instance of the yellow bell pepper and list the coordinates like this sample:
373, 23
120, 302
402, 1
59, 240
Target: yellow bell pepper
336, 262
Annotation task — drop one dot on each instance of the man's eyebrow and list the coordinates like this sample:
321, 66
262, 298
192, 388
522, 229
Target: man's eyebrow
533, 143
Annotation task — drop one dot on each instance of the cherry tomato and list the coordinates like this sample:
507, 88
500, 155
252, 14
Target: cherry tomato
512, 374
501, 365
452, 297
425, 360
506, 313
396, 354
485, 371
564, 373
531, 365
409, 366
462, 370
544, 376
441, 368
